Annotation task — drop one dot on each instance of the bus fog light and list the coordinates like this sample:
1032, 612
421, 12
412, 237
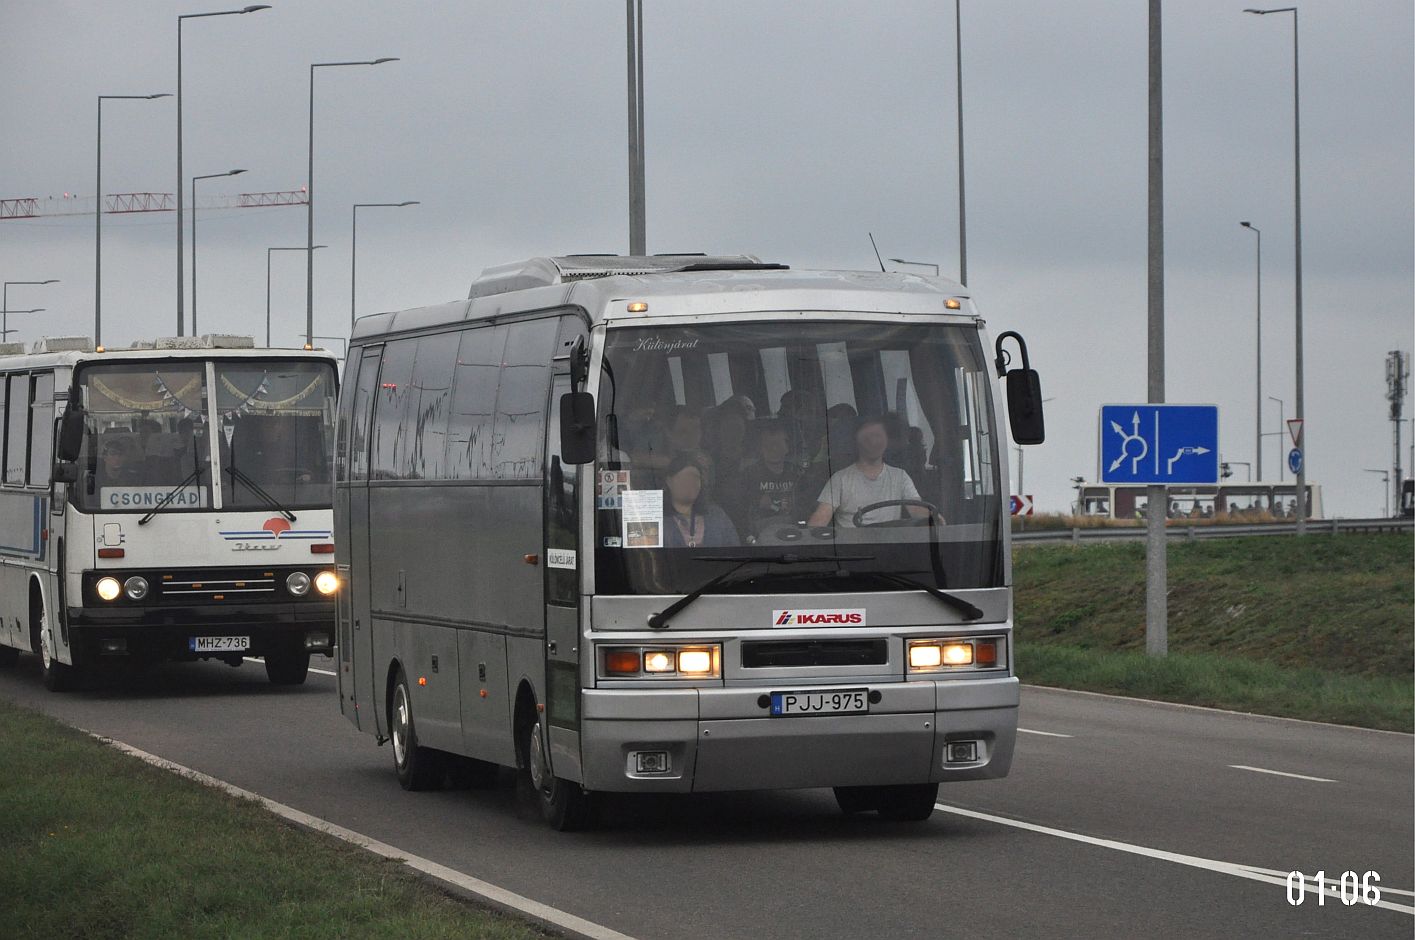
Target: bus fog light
962, 752
658, 661
108, 588
925, 656
298, 583
316, 641
326, 582
695, 662
651, 762
136, 587
113, 645
958, 654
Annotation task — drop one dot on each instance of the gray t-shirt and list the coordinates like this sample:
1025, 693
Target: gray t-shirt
850, 489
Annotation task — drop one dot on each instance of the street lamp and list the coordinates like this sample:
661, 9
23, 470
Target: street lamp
267, 284
1385, 488
98, 214
209, 176
5, 297
962, 213
354, 249
5, 319
181, 179
922, 264
1258, 446
1301, 504
309, 193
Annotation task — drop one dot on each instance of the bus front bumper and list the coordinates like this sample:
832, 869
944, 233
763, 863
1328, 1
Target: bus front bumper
700, 740
170, 632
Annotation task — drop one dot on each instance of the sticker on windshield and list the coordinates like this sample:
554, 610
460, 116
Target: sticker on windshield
150, 497
643, 518
560, 558
613, 482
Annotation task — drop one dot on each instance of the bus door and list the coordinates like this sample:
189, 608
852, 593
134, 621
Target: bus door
562, 594
356, 628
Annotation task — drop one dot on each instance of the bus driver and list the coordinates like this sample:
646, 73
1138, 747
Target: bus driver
867, 481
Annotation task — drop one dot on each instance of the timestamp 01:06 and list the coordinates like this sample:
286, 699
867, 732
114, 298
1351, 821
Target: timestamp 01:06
1351, 888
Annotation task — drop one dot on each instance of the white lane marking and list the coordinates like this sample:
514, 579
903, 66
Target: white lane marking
322, 672
1209, 708
1049, 734
1250, 872
497, 897
1281, 773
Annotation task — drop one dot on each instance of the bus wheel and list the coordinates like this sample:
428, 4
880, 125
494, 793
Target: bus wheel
287, 668
418, 767
910, 802
57, 676
563, 804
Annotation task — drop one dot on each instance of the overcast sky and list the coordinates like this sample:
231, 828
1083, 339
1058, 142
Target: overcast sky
783, 129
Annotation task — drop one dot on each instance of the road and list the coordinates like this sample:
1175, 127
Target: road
1107, 787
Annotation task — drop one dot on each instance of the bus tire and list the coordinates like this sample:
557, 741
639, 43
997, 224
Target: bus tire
8, 656
287, 667
909, 802
562, 803
468, 773
418, 767
57, 676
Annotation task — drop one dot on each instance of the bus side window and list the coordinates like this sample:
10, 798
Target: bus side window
520, 401
17, 429
41, 455
361, 414
391, 427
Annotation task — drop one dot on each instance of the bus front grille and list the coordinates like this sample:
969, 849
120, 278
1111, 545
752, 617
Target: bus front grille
776, 654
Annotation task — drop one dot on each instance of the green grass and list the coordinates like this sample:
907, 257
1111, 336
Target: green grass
100, 845
1318, 628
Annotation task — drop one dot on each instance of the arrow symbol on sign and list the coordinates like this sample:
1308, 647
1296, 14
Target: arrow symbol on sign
1125, 440
1183, 451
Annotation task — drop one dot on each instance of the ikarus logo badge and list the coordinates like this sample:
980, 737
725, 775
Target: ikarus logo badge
818, 618
269, 536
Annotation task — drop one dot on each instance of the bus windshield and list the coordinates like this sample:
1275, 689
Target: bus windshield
148, 435
867, 446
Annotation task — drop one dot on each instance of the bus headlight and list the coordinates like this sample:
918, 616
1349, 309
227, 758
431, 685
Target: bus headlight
326, 582
658, 661
681, 662
136, 587
108, 588
944, 655
298, 583
695, 662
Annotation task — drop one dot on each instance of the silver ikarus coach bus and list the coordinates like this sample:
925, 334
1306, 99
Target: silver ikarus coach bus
681, 523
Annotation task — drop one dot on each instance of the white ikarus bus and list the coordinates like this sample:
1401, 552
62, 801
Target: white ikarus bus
681, 524
166, 502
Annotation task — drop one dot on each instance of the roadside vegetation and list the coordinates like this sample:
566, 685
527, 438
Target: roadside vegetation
101, 845
1318, 628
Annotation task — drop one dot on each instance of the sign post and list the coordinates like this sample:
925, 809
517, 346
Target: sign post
1156, 567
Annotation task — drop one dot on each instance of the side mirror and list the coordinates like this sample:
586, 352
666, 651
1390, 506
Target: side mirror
1024, 393
577, 428
71, 434
65, 471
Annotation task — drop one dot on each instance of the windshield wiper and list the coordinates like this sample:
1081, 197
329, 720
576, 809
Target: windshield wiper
271, 501
659, 621
968, 611
194, 476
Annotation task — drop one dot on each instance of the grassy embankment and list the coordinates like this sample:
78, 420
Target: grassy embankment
1317, 628
101, 845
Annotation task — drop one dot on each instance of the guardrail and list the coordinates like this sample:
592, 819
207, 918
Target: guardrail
1214, 531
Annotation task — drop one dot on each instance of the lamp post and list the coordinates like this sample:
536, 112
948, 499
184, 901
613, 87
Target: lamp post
354, 249
181, 179
1301, 504
1258, 410
5, 318
5, 297
267, 283
634, 13
98, 213
922, 264
962, 211
1385, 488
309, 193
209, 176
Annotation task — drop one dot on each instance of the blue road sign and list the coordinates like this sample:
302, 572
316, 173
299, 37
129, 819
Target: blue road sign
1159, 444
1294, 460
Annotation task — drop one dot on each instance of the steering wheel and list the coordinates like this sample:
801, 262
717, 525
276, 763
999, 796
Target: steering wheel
859, 523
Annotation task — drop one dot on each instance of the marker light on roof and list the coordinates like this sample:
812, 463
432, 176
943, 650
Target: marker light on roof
952, 304
638, 306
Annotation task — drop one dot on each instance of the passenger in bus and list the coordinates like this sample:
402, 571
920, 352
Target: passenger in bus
725, 440
682, 433
691, 519
771, 482
120, 464
867, 481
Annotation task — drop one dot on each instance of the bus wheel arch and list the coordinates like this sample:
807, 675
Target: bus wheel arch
57, 676
562, 803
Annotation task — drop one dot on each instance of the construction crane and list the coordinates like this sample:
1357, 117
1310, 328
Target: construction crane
38, 207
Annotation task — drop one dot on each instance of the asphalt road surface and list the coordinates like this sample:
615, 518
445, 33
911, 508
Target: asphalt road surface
1120, 818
